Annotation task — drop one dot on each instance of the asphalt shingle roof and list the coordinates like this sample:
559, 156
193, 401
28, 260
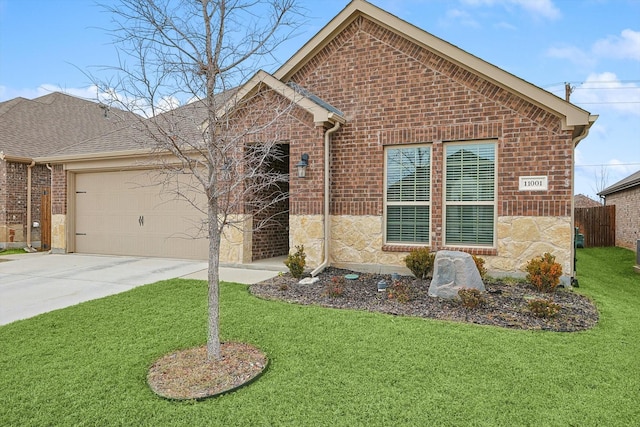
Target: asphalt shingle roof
624, 184
42, 126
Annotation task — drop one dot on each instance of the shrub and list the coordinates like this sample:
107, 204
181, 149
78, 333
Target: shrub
544, 308
480, 266
335, 287
420, 262
544, 273
399, 291
471, 297
296, 262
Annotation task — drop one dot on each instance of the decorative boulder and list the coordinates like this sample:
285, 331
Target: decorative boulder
453, 271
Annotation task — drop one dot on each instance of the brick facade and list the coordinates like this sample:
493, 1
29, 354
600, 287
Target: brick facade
627, 216
13, 202
393, 91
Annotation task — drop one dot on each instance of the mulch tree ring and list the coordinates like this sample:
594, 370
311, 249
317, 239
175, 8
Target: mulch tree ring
189, 375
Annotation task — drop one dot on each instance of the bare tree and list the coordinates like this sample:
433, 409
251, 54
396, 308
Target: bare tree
195, 53
601, 180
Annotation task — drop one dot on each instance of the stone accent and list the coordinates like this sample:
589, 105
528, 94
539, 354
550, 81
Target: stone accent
520, 239
308, 230
58, 233
236, 241
357, 243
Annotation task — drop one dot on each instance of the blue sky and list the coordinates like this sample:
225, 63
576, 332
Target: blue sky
49, 45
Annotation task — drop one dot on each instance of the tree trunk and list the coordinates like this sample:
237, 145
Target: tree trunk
213, 334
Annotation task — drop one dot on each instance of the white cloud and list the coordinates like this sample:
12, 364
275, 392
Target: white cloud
605, 91
541, 8
544, 8
625, 46
459, 17
573, 54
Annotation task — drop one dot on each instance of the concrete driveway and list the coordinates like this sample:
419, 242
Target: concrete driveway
31, 284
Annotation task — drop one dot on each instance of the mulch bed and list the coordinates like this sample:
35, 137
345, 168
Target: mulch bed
505, 303
189, 375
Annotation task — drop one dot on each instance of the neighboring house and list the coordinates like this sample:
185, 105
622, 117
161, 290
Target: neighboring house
425, 145
31, 129
625, 195
582, 201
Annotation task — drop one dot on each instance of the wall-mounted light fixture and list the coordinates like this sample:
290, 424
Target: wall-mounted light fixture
302, 165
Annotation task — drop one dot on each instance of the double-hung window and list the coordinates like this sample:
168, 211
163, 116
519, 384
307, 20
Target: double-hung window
470, 194
407, 194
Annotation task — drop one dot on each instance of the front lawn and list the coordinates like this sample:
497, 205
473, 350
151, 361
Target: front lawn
87, 365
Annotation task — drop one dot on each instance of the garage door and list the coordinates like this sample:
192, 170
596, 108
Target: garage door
124, 213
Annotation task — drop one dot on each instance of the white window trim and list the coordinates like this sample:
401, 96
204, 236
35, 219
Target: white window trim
384, 196
493, 203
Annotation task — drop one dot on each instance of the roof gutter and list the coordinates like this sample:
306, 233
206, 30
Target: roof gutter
327, 199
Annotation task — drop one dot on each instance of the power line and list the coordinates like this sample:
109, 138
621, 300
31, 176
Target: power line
609, 165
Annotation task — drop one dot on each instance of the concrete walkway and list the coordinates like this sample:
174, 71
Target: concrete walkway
31, 284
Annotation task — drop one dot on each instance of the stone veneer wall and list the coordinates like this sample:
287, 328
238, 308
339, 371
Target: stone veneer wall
236, 241
521, 238
357, 241
58, 233
307, 230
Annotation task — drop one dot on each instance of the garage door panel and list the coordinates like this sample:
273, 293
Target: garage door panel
122, 213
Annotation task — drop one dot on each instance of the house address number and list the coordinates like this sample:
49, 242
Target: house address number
534, 183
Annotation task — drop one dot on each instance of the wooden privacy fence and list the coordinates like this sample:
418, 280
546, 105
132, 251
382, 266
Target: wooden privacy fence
598, 225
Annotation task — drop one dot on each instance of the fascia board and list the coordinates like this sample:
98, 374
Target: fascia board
134, 154
319, 113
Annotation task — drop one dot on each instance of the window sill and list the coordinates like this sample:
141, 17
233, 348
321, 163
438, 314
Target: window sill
401, 248
472, 250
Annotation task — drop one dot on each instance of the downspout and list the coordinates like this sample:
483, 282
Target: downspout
576, 140
31, 165
48, 165
327, 199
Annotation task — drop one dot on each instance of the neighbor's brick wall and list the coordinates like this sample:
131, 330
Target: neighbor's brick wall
627, 216
395, 92
13, 201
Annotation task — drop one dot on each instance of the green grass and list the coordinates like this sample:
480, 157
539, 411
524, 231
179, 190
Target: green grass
12, 251
86, 365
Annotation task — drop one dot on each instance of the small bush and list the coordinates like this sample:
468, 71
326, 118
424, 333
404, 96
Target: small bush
471, 297
296, 262
420, 262
335, 287
399, 291
480, 266
544, 308
544, 273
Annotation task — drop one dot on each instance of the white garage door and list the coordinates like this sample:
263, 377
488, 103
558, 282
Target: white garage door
122, 213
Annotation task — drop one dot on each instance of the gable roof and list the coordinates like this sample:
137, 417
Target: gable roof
322, 111
38, 127
571, 115
631, 181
